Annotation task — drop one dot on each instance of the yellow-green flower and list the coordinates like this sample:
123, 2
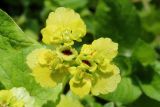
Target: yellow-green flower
95, 72
16, 97
92, 71
46, 65
67, 101
63, 27
8, 100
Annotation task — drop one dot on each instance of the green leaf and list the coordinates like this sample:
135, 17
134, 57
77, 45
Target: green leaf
150, 84
49, 104
111, 104
144, 101
126, 92
10, 34
1, 86
75, 4
124, 64
14, 72
151, 19
119, 21
90, 101
144, 53
156, 66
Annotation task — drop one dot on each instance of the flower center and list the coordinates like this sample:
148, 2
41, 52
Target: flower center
86, 62
67, 52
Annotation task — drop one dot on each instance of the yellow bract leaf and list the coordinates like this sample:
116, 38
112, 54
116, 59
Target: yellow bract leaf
105, 48
41, 57
106, 82
43, 76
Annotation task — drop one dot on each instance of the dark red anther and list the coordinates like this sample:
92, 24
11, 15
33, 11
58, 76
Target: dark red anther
86, 62
67, 52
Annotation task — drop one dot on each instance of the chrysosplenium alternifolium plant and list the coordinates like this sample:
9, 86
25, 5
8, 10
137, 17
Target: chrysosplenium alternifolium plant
16, 97
90, 71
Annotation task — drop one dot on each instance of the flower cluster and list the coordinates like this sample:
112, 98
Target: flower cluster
90, 71
16, 97
63, 27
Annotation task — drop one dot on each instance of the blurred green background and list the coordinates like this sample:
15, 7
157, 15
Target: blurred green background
134, 24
